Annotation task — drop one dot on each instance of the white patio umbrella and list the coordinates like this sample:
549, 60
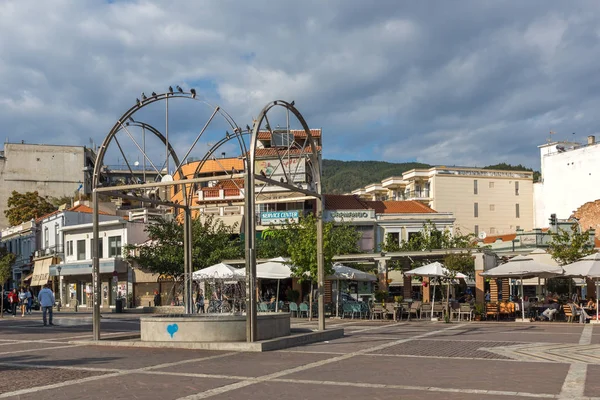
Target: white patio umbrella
433, 270
218, 271
343, 272
275, 268
588, 266
523, 267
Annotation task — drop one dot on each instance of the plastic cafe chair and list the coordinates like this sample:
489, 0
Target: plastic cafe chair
294, 309
303, 309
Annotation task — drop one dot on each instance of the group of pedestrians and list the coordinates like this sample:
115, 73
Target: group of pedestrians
23, 299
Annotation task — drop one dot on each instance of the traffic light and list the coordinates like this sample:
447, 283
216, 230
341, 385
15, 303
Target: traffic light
552, 219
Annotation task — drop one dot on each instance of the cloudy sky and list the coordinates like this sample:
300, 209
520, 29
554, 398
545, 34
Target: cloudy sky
462, 82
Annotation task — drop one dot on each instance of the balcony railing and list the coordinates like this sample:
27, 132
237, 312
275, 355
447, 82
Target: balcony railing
414, 194
220, 194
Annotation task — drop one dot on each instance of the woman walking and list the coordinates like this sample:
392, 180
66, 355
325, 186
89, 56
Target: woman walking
23, 300
29, 301
13, 299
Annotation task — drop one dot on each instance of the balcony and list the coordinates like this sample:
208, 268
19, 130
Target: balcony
220, 194
394, 182
415, 195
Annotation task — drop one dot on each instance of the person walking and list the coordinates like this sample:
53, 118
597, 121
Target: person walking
29, 301
46, 299
22, 300
13, 299
200, 301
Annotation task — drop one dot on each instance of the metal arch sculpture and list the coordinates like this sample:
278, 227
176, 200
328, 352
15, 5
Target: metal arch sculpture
250, 225
96, 185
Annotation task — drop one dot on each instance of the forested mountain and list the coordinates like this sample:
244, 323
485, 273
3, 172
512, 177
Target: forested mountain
345, 176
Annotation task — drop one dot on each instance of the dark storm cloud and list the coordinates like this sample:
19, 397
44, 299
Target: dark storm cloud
465, 83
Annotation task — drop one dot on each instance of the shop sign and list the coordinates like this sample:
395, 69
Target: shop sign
279, 217
350, 215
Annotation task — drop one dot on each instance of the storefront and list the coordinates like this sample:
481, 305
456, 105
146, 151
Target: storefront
76, 282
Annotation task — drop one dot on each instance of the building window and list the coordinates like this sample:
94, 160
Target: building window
475, 186
70, 248
518, 227
46, 238
516, 188
114, 246
393, 237
476, 230
100, 249
492, 207
81, 249
491, 185
492, 230
517, 213
476, 210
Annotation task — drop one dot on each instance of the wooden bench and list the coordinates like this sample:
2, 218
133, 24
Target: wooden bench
492, 309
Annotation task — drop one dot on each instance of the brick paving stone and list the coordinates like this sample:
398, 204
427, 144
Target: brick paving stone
348, 344
450, 373
12, 378
309, 391
438, 348
131, 386
592, 387
507, 337
108, 357
5, 349
249, 364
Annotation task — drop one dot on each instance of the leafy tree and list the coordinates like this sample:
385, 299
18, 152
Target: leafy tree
212, 241
432, 238
6, 261
567, 247
23, 207
298, 241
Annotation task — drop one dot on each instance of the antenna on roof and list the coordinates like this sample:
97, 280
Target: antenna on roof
550, 140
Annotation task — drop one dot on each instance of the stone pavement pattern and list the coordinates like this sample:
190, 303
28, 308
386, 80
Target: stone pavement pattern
375, 360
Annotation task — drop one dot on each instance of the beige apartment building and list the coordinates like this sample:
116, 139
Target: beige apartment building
483, 201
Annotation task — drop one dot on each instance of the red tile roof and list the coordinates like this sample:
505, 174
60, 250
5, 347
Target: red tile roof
344, 202
298, 134
79, 208
399, 207
503, 238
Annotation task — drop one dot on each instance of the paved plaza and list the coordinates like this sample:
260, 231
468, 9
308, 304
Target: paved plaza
375, 360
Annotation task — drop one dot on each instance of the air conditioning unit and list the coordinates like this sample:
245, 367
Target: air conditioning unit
36, 253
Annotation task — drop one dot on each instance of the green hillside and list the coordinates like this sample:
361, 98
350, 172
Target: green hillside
345, 176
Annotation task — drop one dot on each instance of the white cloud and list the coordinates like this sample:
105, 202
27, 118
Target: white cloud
466, 83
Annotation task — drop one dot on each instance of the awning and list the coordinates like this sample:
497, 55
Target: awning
41, 271
106, 267
27, 277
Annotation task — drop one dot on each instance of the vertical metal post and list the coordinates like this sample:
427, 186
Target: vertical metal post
167, 134
96, 289
320, 265
144, 155
250, 252
189, 306
186, 261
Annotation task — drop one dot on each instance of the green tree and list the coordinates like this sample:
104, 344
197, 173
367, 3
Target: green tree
6, 261
566, 246
298, 241
23, 207
212, 241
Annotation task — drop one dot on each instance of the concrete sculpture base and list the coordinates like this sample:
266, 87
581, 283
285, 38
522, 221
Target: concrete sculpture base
211, 327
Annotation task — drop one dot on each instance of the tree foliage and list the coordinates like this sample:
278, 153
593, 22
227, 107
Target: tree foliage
569, 246
509, 167
212, 241
23, 207
298, 241
6, 261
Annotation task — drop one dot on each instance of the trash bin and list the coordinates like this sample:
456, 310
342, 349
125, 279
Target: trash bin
119, 306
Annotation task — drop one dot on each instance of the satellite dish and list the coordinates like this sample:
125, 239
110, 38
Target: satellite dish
167, 178
482, 235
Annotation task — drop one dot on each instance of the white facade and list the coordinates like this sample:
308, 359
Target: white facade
570, 177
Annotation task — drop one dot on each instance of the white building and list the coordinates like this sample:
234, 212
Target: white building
570, 176
115, 274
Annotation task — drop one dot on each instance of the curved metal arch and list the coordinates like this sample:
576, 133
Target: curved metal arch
119, 125
314, 157
160, 136
211, 151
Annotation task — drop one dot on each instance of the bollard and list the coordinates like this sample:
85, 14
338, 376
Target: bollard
76, 303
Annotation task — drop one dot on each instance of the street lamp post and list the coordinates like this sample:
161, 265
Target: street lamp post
59, 268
